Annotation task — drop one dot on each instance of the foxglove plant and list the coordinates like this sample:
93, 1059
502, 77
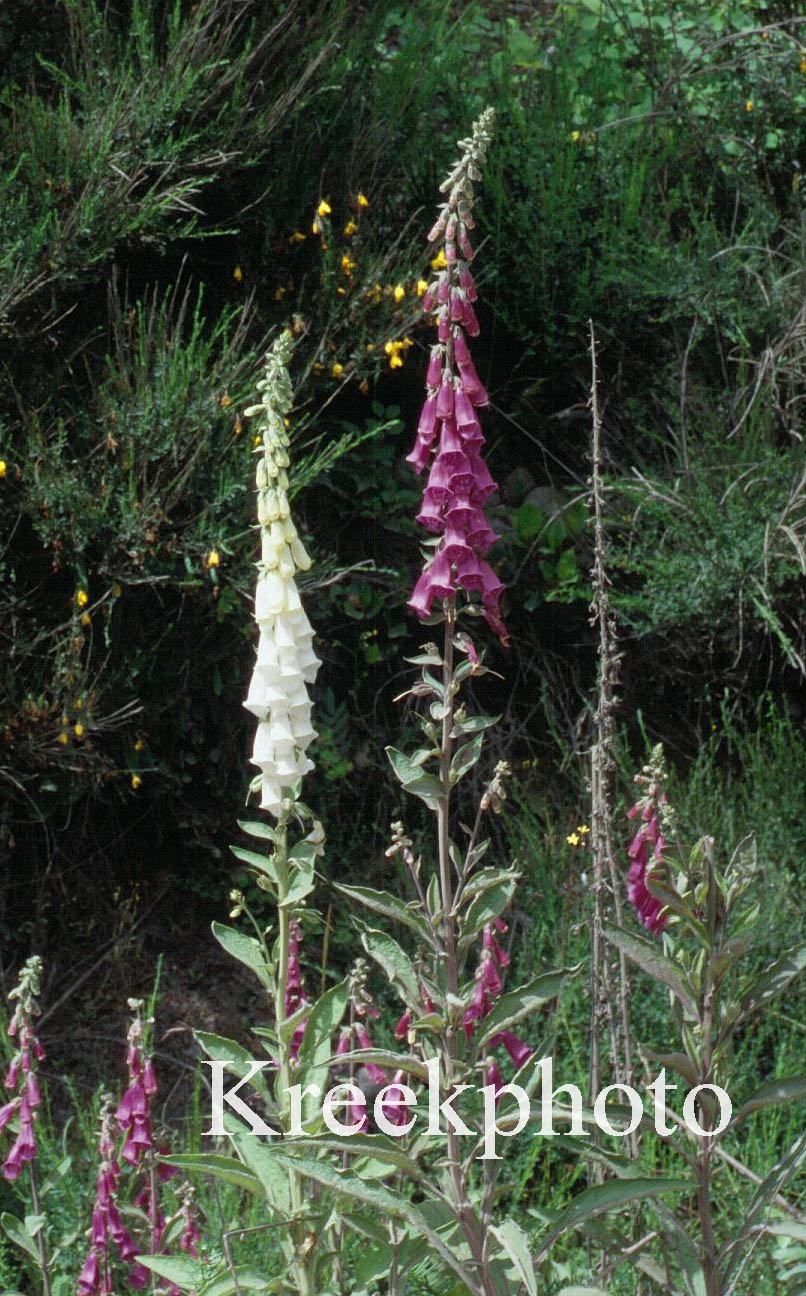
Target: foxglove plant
299, 1039
21, 1080
703, 921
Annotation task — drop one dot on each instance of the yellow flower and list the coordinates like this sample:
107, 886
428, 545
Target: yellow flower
258, 440
225, 401
298, 237
575, 137
117, 589
363, 386
63, 738
237, 274
583, 830
399, 293
350, 229
395, 362
136, 781
82, 598
3, 467
279, 293
422, 287
803, 61
347, 264
439, 262
86, 619
139, 744
213, 558
323, 209
337, 370
389, 347
572, 839
315, 227
370, 346
362, 201
749, 105
78, 730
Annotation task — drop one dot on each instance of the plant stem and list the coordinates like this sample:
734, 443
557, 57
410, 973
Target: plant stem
40, 1232
468, 1221
301, 1267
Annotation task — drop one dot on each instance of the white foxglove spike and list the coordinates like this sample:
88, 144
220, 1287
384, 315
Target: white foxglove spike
286, 661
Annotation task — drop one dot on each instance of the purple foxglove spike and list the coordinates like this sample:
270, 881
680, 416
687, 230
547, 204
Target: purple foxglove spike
482, 537
458, 306
516, 1048
430, 516
12, 1166
420, 455
467, 282
648, 811
443, 325
483, 484
489, 977
449, 441
433, 376
472, 385
133, 1061
450, 253
26, 1142
149, 1078
498, 952
468, 572
98, 1230
345, 1041
13, 1073
141, 1132
443, 289
493, 1076
450, 228
8, 1111
402, 1027
430, 297
455, 545
445, 399
633, 811
469, 320
462, 514
460, 352
394, 1106
436, 581
13, 1028
427, 426
437, 230
464, 242
296, 1041
32, 1090
89, 1277
356, 1117
139, 1277
465, 413
39, 1052
25, 1058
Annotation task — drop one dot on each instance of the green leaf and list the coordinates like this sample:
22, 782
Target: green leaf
302, 883
382, 1200
383, 903
245, 949
254, 859
220, 1167
257, 1155
377, 1146
606, 1197
582, 1291
567, 569
182, 1270
239, 1059
516, 1245
465, 757
426, 786
383, 1057
256, 829
487, 905
475, 724
17, 1233
396, 965
516, 1005
771, 1093
772, 982
324, 1019
739, 1249
651, 959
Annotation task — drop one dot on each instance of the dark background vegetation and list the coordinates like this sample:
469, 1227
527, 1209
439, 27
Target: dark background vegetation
158, 159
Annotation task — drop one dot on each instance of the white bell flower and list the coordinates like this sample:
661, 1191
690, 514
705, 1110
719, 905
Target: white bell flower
286, 661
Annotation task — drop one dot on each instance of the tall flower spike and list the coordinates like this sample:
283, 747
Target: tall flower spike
21, 1075
449, 436
648, 844
286, 662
